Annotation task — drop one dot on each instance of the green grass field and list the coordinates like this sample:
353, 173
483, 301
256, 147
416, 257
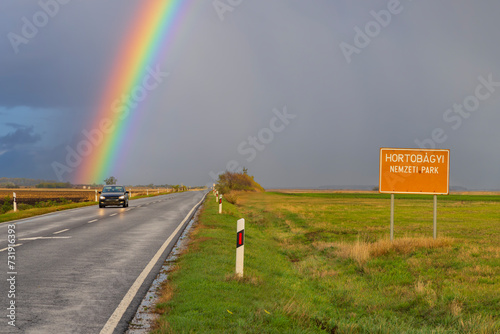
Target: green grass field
322, 263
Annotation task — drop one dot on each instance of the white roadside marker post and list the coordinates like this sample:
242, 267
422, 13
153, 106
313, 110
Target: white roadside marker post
240, 246
220, 204
15, 203
216, 196
147, 192
95, 195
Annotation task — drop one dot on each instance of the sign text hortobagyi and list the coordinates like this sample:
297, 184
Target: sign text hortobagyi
414, 171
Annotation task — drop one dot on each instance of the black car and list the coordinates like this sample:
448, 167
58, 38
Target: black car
113, 195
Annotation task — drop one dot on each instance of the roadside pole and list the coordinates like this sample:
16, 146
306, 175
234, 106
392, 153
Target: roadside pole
15, 203
435, 216
95, 195
220, 204
240, 246
392, 217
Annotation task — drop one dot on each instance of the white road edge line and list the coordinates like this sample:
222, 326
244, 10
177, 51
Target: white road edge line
61, 231
114, 214
110, 325
93, 221
4, 249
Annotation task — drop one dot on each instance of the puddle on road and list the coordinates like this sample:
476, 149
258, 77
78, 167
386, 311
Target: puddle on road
145, 317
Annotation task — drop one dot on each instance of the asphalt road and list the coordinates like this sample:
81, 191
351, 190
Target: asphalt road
74, 268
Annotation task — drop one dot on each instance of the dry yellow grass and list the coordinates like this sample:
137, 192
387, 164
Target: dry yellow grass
361, 251
456, 307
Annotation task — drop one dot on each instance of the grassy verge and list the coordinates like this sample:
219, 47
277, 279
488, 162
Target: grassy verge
323, 264
11, 215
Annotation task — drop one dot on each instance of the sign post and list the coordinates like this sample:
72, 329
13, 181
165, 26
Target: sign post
392, 217
414, 171
435, 216
240, 246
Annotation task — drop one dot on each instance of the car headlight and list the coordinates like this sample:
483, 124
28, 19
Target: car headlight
122, 197
102, 197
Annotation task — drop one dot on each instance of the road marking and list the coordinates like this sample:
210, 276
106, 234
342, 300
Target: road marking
93, 221
114, 214
110, 325
42, 238
128, 210
4, 249
61, 231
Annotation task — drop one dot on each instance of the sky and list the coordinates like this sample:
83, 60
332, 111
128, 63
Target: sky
302, 93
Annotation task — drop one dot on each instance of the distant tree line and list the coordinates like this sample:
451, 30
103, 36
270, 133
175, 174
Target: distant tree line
8, 185
13, 182
54, 185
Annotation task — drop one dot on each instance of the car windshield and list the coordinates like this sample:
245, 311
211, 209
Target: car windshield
112, 189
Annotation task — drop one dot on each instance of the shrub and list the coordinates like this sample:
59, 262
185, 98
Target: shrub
232, 197
63, 200
23, 206
7, 205
229, 181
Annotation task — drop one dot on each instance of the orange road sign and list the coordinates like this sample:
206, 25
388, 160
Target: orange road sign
414, 171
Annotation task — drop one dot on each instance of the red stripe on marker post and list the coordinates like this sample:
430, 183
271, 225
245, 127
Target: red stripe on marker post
240, 237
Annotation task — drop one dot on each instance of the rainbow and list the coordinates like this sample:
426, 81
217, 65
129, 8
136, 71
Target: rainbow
145, 44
